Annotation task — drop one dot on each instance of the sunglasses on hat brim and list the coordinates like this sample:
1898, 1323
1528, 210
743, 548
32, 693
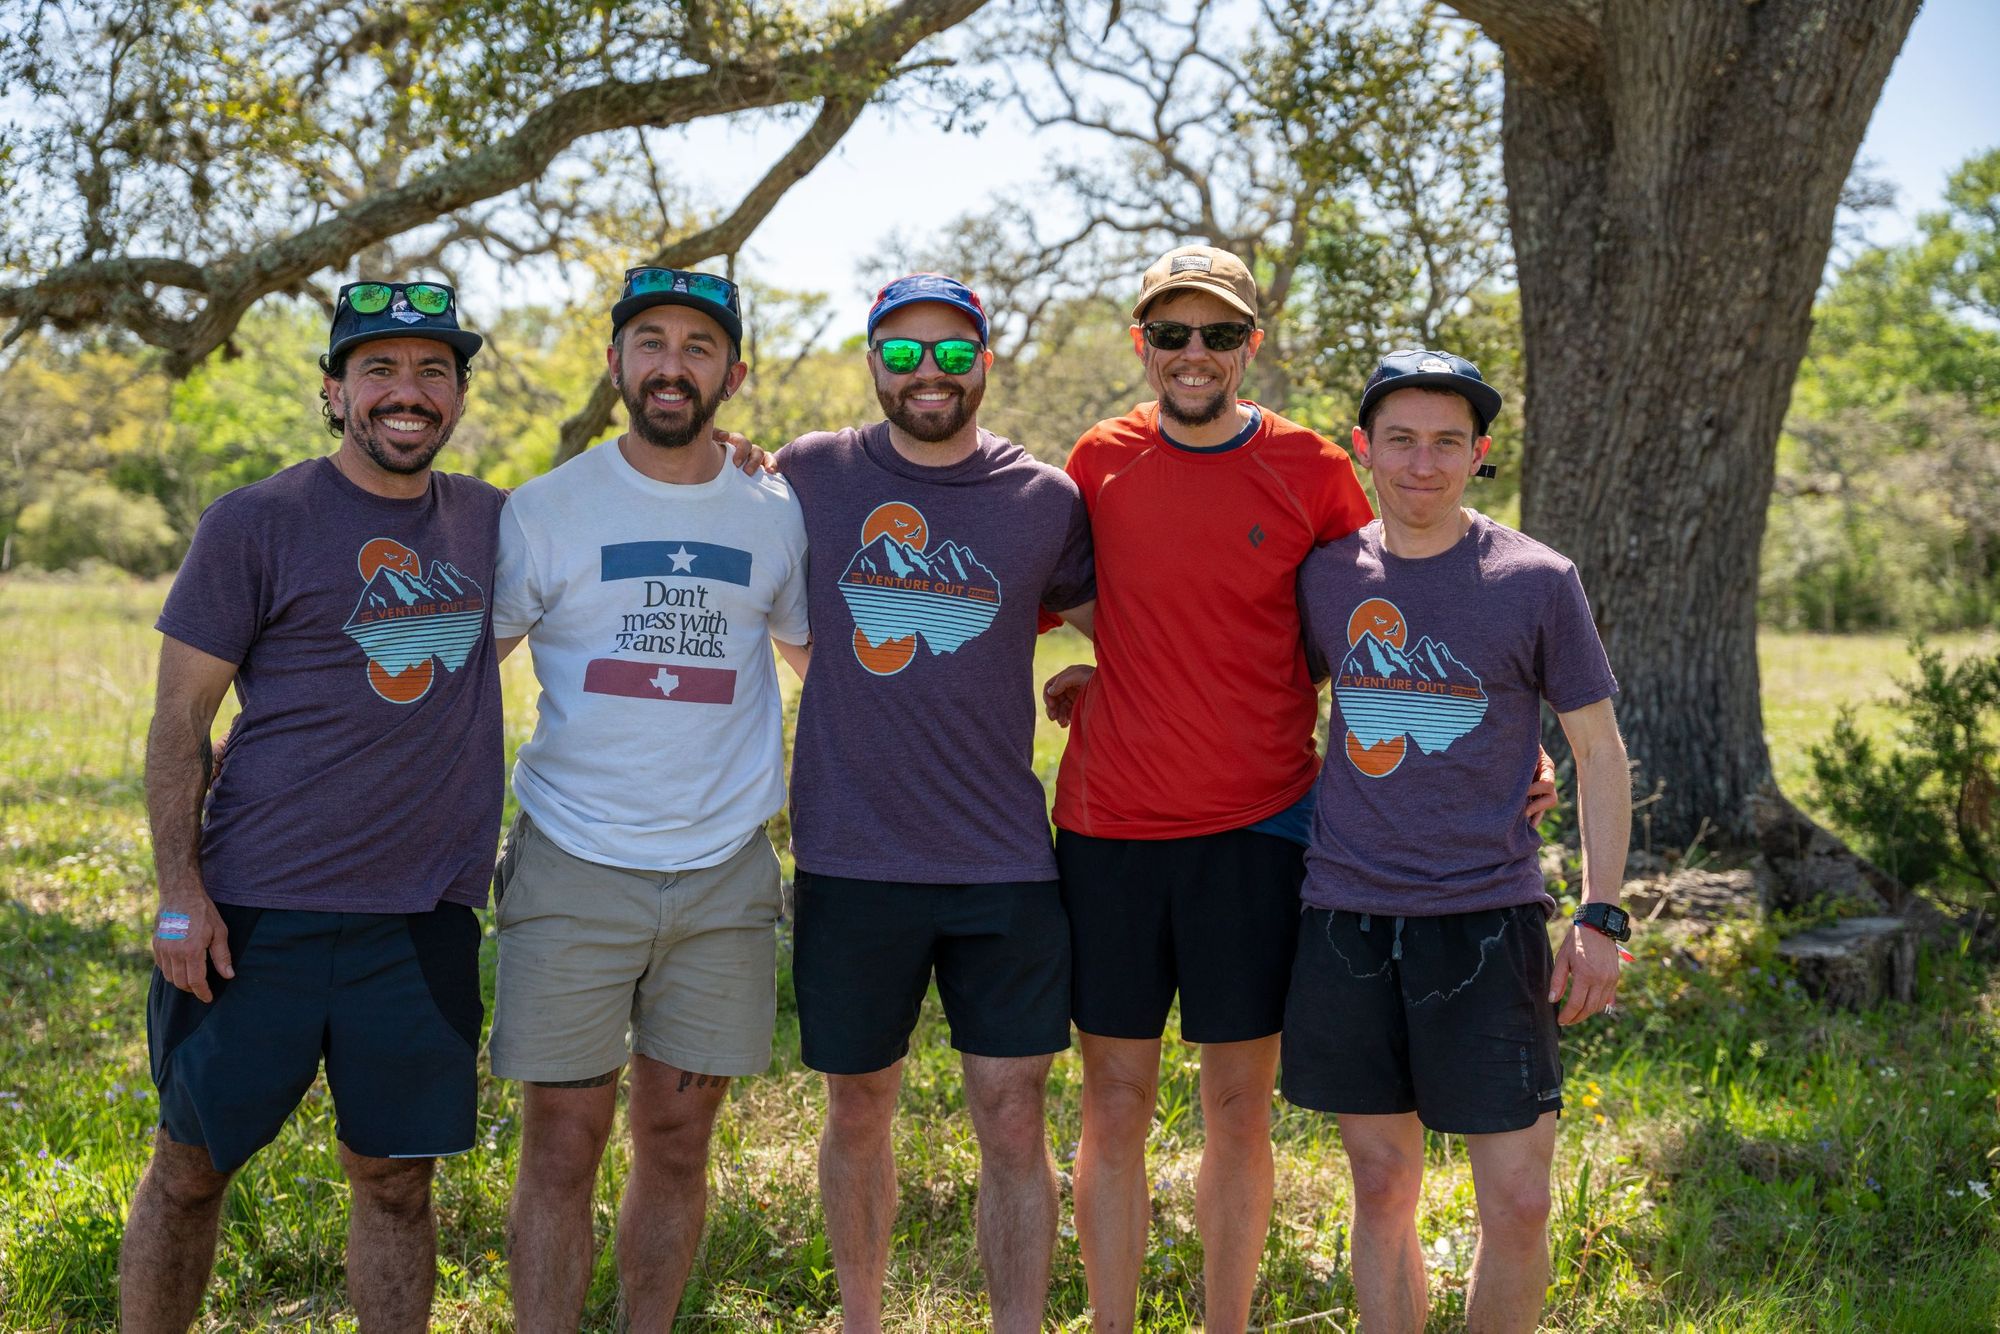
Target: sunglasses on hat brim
647, 279
374, 298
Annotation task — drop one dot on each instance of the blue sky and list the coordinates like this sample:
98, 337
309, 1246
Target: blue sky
1938, 108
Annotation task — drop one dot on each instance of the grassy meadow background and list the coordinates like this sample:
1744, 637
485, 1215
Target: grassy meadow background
1733, 1158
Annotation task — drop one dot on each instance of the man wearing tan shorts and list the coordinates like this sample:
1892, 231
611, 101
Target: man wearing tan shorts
638, 895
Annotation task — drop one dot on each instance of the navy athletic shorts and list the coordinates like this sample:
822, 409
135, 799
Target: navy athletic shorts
864, 951
1214, 917
390, 1002
1448, 1017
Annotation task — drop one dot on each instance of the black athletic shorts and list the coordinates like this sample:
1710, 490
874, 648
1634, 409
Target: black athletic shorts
1448, 1017
864, 950
1214, 917
389, 1000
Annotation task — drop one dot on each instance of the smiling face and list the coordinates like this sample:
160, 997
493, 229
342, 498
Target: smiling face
673, 367
400, 399
1195, 386
1422, 447
927, 404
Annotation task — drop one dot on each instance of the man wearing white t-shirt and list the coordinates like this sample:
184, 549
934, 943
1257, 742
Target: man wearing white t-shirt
637, 895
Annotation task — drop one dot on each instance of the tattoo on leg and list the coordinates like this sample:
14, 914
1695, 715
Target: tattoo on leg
691, 1080
594, 1082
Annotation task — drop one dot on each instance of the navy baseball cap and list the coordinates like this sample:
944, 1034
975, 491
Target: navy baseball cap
366, 311
1419, 368
712, 294
915, 287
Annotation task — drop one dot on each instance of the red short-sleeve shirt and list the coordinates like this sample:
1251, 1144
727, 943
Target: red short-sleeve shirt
1200, 717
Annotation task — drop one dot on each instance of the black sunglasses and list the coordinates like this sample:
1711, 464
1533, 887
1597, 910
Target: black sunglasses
1172, 336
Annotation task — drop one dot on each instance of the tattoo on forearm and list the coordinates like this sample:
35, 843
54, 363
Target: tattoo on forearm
594, 1082
691, 1080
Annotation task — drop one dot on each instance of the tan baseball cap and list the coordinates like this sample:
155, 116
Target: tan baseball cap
1204, 268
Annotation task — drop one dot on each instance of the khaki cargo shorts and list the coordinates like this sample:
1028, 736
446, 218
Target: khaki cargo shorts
685, 962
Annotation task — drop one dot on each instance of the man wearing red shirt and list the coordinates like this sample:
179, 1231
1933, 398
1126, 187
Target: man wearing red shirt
1189, 754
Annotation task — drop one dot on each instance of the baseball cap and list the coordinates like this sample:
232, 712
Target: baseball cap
398, 310
649, 285
915, 287
1201, 268
1416, 368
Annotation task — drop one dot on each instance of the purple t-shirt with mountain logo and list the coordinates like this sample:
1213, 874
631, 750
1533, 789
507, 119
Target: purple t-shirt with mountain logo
914, 754
363, 774
1439, 667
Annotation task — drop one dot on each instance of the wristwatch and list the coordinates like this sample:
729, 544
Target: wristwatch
1606, 919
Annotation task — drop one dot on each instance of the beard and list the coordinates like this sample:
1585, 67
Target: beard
639, 411
394, 458
929, 424
1198, 413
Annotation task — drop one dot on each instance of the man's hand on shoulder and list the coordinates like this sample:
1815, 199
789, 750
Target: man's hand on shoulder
745, 455
187, 933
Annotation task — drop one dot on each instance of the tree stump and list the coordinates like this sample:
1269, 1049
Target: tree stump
1858, 963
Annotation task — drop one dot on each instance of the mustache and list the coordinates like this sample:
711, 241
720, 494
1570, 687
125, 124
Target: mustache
398, 410
682, 385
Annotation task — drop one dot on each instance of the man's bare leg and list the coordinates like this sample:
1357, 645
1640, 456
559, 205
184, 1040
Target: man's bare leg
1510, 1270
1017, 1185
672, 1113
1232, 1198
391, 1242
1121, 1080
857, 1188
1386, 1155
563, 1131
169, 1246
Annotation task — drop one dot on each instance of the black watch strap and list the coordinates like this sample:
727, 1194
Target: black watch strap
1605, 918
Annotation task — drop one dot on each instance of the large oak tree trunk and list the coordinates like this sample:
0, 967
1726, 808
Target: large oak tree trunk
1673, 168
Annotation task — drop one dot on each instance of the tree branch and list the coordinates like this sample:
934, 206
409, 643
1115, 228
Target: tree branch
105, 291
1540, 34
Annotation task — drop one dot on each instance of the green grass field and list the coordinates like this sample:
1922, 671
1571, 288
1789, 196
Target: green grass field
1734, 1158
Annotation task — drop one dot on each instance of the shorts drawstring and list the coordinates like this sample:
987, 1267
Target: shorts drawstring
1396, 948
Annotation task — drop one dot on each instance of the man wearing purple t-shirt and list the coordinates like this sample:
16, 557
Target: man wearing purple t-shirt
1424, 993
920, 829
317, 899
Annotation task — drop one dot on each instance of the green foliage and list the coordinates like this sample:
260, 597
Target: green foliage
1927, 809
1886, 509
78, 519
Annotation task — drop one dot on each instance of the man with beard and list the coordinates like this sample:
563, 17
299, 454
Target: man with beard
918, 823
638, 894
1183, 804
318, 899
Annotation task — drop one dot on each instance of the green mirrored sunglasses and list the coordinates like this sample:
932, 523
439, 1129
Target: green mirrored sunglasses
901, 356
707, 286
374, 298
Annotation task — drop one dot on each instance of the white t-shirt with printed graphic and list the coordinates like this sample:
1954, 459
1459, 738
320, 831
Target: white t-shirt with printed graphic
650, 609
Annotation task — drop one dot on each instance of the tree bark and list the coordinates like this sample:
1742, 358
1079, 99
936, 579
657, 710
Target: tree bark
1673, 168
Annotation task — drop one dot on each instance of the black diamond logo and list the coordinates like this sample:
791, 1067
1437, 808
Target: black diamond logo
1256, 534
